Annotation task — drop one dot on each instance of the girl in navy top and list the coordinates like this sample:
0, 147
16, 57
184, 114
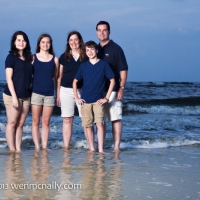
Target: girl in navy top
42, 100
17, 91
70, 61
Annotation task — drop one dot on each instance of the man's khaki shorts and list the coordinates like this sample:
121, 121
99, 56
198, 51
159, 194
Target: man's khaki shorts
92, 113
22, 101
42, 100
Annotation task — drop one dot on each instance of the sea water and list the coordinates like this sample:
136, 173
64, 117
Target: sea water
155, 115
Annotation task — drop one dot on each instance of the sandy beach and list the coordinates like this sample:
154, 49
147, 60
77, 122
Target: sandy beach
171, 173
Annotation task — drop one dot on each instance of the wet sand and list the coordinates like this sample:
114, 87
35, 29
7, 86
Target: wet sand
171, 173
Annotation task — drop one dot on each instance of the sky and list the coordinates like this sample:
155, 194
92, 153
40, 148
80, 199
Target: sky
160, 38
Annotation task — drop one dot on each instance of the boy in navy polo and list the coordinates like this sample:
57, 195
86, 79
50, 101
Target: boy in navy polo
94, 73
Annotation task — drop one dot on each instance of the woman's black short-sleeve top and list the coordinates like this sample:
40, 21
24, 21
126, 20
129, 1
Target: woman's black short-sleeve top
22, 76
70, 69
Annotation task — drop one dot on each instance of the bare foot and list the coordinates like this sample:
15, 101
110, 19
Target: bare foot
37, 149
92, 150
116, 150
66, 148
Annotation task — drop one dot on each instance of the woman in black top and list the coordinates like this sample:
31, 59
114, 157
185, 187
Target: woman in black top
17, 91
69, 61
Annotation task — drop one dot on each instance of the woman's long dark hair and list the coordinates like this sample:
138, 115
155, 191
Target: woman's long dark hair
81, 46
51, 51
26, 52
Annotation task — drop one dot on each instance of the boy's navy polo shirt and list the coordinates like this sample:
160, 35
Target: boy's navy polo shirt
114, 55
22, 76
94, 79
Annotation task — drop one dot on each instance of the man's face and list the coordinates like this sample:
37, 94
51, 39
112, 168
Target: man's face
103, 33
91, 52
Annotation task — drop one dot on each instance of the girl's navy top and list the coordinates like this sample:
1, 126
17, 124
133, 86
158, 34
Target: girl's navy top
43, 77
22, 76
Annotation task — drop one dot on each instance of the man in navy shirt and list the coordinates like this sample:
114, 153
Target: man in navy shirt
114, 55
94, 74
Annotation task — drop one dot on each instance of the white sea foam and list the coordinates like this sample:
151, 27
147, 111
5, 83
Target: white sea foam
144, 144
186, 110
27, 137
2, 139
161, 183
56, 144
27, 128
81, 144
4, 145
2, 126
77, 144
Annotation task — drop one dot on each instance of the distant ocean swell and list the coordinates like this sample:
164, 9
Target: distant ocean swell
162, 109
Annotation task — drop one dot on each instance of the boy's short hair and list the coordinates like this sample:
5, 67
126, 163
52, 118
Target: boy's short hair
91, 44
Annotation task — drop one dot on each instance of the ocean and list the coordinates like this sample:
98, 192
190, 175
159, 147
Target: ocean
155, 115
159, 157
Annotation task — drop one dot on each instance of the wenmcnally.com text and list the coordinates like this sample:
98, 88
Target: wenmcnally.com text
40, 186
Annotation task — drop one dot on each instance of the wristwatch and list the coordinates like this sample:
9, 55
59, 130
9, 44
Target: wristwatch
122, 87
106, 99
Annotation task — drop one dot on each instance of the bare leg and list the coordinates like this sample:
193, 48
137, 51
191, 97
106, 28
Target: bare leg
100, 134
36, 113
67, 131
90, 135
104, 133
12, 115
117, 133
19, 127
85, 133
46, 115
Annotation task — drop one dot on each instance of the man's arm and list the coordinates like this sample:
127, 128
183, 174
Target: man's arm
123, 77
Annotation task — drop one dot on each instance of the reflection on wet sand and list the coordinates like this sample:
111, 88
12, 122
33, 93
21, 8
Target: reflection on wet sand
14, 175
40, 171
65, 177
98, 174
101, 180
115, 176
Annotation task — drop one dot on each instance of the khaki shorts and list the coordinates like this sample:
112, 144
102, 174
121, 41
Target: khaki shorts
42, 100
22, 101
113, 109
92, 113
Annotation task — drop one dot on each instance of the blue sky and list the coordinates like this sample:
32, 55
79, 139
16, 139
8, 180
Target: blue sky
160, 38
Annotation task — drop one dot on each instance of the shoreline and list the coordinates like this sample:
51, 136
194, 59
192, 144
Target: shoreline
171, 173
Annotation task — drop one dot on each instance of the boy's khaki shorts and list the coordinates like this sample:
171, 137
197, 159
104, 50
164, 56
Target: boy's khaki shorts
22, 101
92, 113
